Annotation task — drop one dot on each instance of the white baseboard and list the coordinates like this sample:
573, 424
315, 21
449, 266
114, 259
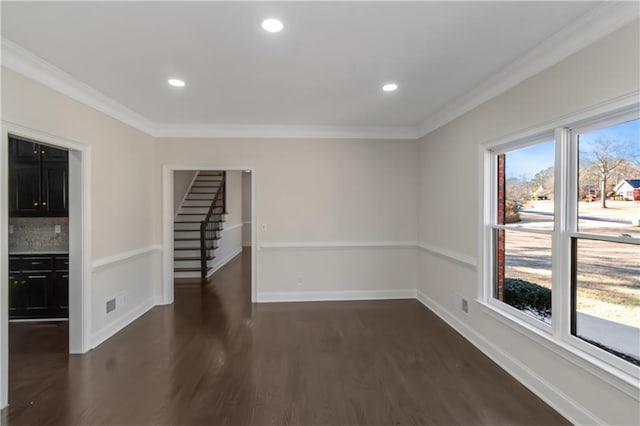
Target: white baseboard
554, 397
317, 296
158, 300
219, 264
109, 330
246, 244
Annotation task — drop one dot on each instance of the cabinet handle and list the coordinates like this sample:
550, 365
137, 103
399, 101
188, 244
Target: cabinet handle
35, 152
23, 282
65, 276
35, 204
42, 152
35, 276
36, 263
44, 203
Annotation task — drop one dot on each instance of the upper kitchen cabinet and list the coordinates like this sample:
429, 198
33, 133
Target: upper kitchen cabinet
38, 179
50, 154
21, 151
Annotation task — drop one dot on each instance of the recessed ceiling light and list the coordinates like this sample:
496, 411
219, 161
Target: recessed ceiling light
390, 87
272, 25
175, 82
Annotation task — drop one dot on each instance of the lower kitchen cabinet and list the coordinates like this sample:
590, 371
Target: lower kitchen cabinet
38, 286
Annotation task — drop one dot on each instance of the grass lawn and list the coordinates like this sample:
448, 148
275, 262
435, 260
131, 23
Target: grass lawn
608, 273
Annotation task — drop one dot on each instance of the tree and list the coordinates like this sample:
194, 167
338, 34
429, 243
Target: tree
518, 190
606, 158
542, 182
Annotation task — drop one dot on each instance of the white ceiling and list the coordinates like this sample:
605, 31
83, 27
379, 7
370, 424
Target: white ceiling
324, 69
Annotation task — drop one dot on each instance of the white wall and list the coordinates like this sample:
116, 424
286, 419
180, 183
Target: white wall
321, 192
182, 180
449, 159
246, 209
121, 186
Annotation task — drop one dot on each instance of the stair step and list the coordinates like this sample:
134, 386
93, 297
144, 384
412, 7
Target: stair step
193, 248
193, 231
187, 235
189, 269
187, 215
192, 258
198, 202
195, 221
201, 197
195, 239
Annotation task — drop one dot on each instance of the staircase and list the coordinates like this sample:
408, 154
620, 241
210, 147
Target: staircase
197, 225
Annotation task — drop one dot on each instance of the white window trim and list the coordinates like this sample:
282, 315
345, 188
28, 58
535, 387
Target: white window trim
557, 337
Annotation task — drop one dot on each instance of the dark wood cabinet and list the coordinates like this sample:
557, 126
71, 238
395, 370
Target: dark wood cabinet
51, 154
60, 293
24, 190
54, 188
38, 286
38, 179
23, 151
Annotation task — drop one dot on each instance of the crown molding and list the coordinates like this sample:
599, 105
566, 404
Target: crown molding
594, 25
22, 61
26, 63
283, 131
589, 28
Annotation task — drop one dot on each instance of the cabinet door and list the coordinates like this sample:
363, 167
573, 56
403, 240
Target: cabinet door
54, 189
60, 296
23, 152
37, 295
24, 190
17, 296
48, 153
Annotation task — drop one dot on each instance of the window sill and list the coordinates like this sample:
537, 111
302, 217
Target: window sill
621, 380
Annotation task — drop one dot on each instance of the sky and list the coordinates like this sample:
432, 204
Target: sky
628, 134
526, 162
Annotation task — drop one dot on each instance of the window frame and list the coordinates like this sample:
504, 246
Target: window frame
493, 226
572, 232
556, 336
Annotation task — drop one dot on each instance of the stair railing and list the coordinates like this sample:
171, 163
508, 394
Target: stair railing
211, 225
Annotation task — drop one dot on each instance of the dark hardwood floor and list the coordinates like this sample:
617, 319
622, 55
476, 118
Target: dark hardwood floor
213, 358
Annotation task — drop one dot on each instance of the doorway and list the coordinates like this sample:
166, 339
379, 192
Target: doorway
64, 209
172, 199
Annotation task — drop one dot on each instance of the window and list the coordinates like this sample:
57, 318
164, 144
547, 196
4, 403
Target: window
562, 235
523, 229
605, 249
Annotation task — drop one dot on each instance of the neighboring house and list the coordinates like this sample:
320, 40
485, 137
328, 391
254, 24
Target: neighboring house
541, 194
629, 189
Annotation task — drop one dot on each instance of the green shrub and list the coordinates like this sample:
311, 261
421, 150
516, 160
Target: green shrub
525, 295
512, 212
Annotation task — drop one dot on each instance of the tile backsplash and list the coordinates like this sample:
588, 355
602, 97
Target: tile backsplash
37, 234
